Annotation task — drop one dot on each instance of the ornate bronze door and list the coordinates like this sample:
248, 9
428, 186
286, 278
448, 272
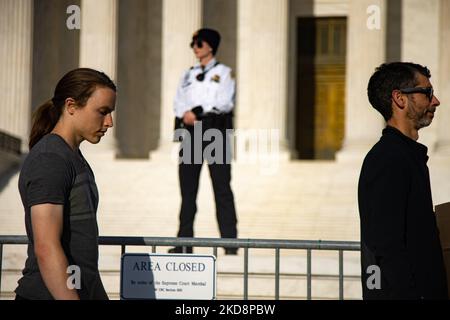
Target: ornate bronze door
321, 87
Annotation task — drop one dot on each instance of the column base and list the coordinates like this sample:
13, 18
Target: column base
106, 150
166, 152
354, 152
169, 153
442, 152
8, 160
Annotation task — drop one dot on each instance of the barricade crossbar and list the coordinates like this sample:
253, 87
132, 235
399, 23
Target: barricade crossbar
246, 244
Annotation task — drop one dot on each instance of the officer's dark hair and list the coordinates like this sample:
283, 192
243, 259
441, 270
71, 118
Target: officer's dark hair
211, 36
389, 77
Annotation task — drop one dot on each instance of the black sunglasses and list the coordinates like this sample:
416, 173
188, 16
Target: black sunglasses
197, 42
428, 91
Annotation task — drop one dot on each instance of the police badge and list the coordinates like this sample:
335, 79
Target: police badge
216, 78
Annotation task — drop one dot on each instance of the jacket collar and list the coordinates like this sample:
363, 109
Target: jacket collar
208, 66
419, 150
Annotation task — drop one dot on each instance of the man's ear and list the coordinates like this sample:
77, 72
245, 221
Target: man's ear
70, 105
399, 99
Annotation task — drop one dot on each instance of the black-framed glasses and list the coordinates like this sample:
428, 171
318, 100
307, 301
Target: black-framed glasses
198, 42
428, 91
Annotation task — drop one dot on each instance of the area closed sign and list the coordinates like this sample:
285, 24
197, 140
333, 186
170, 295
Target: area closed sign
167, 276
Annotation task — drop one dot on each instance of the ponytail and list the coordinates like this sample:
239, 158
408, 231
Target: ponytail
78, 84
44, 120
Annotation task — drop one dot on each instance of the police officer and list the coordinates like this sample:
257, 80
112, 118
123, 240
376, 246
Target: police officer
204, 100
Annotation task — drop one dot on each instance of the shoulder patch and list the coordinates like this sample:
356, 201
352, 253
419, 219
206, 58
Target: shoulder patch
186, 81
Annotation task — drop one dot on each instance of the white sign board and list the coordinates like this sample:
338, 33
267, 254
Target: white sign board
168, 276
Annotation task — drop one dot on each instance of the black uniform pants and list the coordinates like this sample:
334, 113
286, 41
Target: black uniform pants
220, 173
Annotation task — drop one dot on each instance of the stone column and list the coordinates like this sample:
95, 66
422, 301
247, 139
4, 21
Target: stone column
443, 94
16, 29
262, 67
420, 44
181, 18
98, 50
366, 38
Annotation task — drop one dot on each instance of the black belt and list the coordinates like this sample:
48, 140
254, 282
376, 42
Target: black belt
211, 115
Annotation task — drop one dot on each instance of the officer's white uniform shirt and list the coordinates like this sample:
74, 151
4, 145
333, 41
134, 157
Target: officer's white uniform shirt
215, 93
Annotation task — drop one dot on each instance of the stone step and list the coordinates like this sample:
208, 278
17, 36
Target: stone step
143, 198
231, 285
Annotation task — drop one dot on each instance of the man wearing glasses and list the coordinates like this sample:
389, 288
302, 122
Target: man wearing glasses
204, 103
401, 255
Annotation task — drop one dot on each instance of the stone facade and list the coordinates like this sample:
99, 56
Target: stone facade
259, 42
144, 46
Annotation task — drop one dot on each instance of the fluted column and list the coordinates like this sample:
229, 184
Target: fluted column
443, 113
16, 30
261, 67
420, 44
366, 38
98, 50
181, 18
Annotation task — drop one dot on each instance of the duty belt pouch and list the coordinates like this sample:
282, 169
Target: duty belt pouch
229, 120
179, 124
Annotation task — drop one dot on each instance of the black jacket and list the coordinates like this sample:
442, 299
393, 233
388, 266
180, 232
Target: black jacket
398, 225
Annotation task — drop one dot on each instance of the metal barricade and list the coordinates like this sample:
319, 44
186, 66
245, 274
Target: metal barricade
246, 244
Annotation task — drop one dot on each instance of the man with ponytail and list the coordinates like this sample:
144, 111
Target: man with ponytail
59, 193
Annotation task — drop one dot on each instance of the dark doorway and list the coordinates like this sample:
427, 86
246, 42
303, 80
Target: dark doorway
321, 48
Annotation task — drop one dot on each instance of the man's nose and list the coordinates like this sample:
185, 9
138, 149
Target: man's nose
435, 101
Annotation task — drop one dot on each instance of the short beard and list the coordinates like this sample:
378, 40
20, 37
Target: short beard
424, 122
420, 120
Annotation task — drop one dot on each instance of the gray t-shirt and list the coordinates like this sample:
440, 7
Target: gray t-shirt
54, 173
